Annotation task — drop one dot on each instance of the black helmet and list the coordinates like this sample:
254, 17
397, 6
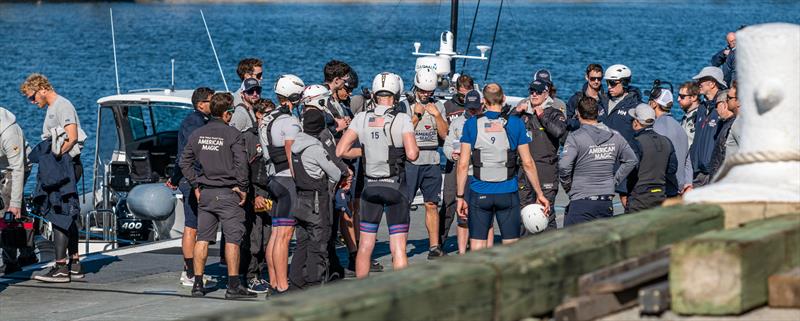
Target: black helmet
352, 83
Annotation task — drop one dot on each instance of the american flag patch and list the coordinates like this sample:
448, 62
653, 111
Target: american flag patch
493, 127
375, 122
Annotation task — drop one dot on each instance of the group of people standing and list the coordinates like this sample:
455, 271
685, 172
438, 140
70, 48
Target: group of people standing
321, 161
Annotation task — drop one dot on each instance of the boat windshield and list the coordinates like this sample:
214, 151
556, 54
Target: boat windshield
150, 120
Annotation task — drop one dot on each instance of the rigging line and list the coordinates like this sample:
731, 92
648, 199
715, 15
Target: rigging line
469, 40
114, 45
438, 18
215, 51
494, 37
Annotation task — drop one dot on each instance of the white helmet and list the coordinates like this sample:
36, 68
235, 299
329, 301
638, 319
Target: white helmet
289, 86
533, 218
617, 72
426, 79
387, 82
315, 95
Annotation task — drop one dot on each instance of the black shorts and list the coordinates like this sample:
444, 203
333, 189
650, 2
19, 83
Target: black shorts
428, 178
391, 196
484, 207
283, 193
585, 210
189, 205
220, 205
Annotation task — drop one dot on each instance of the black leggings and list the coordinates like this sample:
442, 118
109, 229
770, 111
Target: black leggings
65, 240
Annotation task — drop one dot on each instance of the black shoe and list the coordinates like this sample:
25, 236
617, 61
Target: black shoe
11, 268
76, 270
436, 252
375, 266
59, 273
198, 289
275, 292
239, 293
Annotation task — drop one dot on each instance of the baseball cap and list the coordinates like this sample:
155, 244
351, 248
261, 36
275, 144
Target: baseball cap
472, 100
545, 76
664, 98
538, 86
712, 72
251, 83
644, 114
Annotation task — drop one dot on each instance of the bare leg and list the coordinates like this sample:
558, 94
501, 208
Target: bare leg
270, 261
490, 237
397, 243
364, 256
432, 223
232, 258
280, 256
187, 242
200, 256
348, 226
462, 235
509, 241
476, 244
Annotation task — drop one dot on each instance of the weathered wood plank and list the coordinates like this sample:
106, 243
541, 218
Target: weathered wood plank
725, 272
654, 299
593, 306
528, 278
586, 281
784, 289
631, 278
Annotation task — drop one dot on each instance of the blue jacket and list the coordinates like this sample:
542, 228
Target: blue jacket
192, 121
706, 121
572, 107
619, 120
56, 194
727, 64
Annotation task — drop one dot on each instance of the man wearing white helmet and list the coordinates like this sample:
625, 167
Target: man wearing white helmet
622, 97
277, 132
387, 140
425, 173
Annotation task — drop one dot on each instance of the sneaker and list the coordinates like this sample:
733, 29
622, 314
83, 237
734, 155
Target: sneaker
239, 293
198, 290
256, 285
275, 292
187, 281
76, 270
57, 274
376, 266
436, 252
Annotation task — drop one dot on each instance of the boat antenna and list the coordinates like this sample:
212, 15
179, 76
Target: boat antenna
454, 30
469, 40
114, 46
215, 51
494, 37
173, 73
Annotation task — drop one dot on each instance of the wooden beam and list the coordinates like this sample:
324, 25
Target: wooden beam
784, 289
632, 278
528, 278
725, 272
587, 281
593, 306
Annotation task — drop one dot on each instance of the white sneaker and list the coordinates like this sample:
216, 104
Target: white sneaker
186, 281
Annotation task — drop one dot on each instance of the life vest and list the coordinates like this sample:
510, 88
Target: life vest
493, 160
277, 154
383, 158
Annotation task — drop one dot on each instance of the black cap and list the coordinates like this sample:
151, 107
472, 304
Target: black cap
538, 86
251, 83
544, 76
472, 100
313, 121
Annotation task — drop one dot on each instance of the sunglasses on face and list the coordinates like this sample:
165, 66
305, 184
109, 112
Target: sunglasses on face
730, 98
681, 96
253, 92
536, 92
230, 110
32, 97
613, 83
258, 75
595, 78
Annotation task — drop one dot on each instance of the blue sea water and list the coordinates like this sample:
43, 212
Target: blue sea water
71, 43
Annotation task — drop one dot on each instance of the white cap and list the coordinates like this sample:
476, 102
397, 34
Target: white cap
664, 98
644, 114
713, 72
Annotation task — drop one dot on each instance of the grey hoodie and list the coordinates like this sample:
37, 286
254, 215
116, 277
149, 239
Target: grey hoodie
315, 159
587, 163
13, 154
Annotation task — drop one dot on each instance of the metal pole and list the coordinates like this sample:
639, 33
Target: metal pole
114, 46
454, 30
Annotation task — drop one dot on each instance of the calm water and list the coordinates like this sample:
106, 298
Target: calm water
71, 43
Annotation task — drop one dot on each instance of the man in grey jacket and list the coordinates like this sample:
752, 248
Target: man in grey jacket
586, 168
13, 163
